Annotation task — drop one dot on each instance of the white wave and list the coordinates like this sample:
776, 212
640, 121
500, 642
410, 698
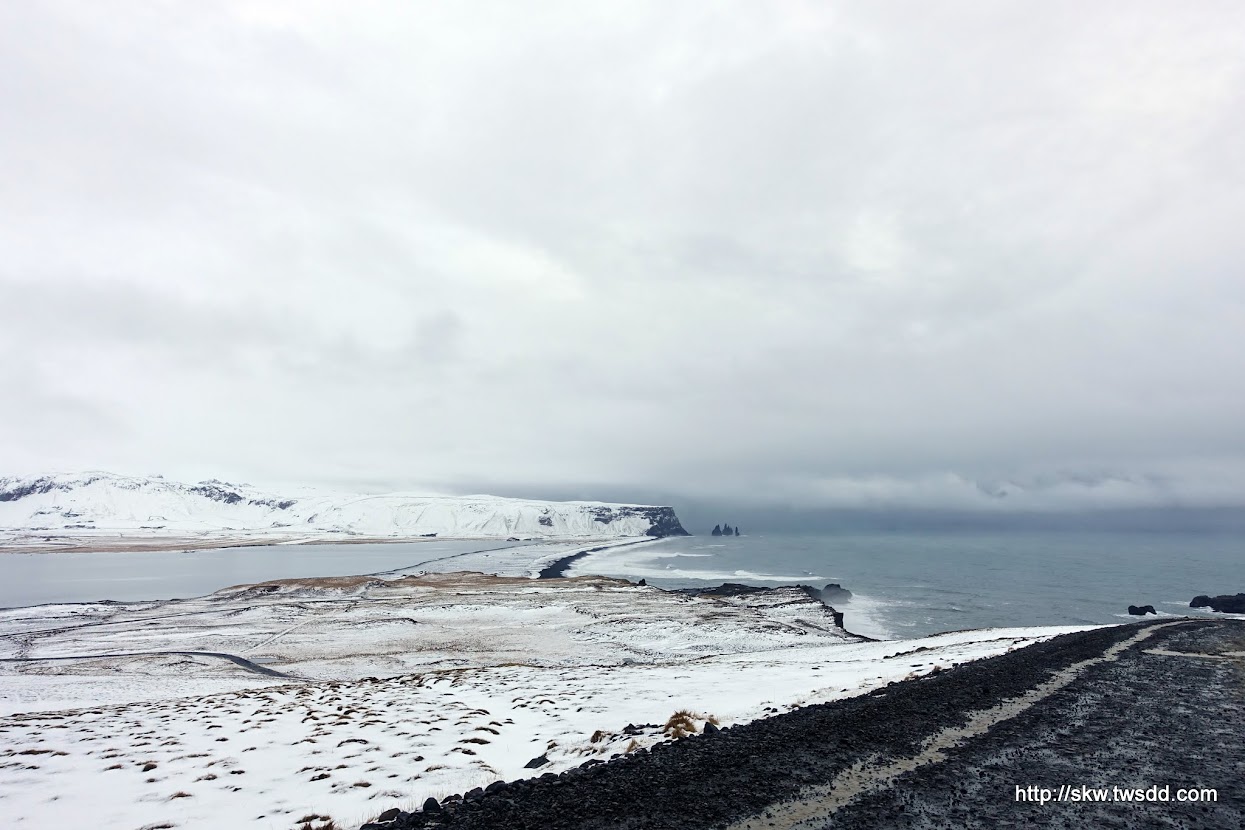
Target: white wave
865, 615
642, 563
1157, 613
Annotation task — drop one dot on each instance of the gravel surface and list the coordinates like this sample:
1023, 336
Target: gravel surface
1132, 706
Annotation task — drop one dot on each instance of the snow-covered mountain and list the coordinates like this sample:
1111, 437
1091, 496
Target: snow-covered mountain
104, 503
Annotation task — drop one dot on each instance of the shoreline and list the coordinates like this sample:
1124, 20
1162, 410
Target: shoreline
171, 544
559, 567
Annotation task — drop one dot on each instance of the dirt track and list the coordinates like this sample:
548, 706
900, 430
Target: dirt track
1149, 704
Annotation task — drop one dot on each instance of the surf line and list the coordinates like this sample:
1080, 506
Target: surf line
815, 805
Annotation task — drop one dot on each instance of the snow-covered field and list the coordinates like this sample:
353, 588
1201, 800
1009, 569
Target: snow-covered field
346, 696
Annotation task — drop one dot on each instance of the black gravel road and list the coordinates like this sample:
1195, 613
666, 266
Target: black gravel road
1133, 707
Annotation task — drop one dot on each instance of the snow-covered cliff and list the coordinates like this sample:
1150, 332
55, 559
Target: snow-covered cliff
90, 503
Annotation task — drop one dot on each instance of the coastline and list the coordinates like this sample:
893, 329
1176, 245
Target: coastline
120, 543
559, 568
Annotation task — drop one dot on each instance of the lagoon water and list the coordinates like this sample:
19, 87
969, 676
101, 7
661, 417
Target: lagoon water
39, 578
906, 584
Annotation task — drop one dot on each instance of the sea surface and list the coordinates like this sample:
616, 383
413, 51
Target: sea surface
909, 584
905, 584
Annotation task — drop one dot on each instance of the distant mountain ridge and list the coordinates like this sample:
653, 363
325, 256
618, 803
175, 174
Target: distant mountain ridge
103, 503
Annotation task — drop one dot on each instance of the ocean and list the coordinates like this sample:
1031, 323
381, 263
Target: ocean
910, 584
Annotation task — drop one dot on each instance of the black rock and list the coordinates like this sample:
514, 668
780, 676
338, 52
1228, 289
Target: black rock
538, 761
834, 592
717, 530
390, 814
710, 729
474, 795
495, 787
1224, 603
1141, 610
431, 805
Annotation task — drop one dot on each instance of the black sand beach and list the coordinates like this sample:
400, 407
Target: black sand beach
1152, 704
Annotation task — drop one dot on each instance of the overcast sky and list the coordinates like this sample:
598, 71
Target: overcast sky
947, 256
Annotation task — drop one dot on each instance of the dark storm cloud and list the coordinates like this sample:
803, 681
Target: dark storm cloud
969, 257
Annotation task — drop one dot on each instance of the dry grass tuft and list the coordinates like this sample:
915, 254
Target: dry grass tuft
683, 723
326, 822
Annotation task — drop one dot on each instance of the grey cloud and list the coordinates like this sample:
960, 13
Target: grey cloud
980, 258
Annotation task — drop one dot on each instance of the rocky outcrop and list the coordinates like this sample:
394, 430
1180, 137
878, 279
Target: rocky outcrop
211, 490
834, 592
1141, 610
1224, 603
662, 521
12, 489
736, 589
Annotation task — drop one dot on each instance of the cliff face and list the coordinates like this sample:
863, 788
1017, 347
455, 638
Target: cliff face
665, 523
662, 521
104, 503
